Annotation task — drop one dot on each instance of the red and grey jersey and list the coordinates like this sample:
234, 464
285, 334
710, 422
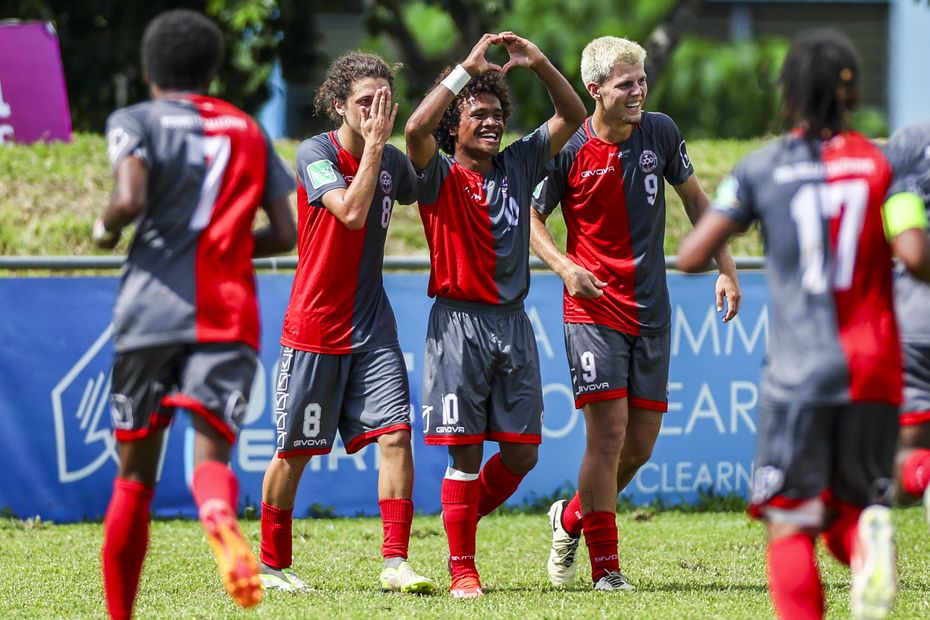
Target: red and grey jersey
338, 304
189, 277
909, 154
833, 337
477, 225
613, 202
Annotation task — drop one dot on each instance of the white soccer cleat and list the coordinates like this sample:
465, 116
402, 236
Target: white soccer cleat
561, 565
285, 579
874, 571
613, 580
404, 579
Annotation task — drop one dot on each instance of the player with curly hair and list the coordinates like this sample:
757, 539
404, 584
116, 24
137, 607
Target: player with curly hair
828, 419
191, 171
481, 368
341, 367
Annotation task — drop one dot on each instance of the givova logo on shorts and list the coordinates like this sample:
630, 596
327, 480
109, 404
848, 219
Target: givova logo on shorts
83, 440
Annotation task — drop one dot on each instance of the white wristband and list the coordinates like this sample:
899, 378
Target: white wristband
456, 80
100, 233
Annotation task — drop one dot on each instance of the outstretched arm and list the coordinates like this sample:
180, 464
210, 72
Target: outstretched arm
128, 201
421, 145
708, 236
351, 205
579, 282
569, 109
696, 203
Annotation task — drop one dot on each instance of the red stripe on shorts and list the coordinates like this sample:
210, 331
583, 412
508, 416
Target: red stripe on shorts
156, 421
454, 440
594, 397
914, 418
652, 405
186, 402
515, 437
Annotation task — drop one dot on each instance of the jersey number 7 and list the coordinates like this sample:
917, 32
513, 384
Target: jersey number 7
812, 205
212, 152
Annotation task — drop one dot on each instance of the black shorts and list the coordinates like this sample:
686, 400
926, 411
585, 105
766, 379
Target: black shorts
209, 379
805, 451
916, 406
362, 395
481, 376
607, 364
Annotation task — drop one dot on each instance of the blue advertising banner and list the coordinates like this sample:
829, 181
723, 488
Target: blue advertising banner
59, 457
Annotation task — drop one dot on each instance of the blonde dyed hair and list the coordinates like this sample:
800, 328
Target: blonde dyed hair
601, 55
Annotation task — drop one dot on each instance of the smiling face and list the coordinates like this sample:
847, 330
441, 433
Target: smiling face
481, 126
622, 93
360, 98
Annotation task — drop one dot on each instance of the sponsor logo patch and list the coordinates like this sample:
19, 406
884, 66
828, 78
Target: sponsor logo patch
596, 172
321, 173
725, 198
766, 483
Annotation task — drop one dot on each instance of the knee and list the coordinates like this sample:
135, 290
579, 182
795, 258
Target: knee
633, 459
520, 460
606, 444
397, 442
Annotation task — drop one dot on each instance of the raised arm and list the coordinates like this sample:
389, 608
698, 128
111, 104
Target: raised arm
421, 145
351, 205
127, 202
579, 282
696, 202
569, 109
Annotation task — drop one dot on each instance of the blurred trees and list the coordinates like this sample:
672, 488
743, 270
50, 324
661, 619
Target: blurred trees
723, 90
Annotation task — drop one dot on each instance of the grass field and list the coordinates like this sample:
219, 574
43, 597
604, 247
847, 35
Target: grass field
684, 565
50, 195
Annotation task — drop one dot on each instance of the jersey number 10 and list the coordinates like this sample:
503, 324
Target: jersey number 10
812, 204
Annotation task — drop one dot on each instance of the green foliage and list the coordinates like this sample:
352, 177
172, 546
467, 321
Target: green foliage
434, 28
719, 90
702, 565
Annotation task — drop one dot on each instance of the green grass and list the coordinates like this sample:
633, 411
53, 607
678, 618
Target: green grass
50, 195
684, 565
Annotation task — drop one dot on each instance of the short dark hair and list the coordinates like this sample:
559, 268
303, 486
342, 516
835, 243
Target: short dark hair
181, 49
492, 82
820, 83
343, 73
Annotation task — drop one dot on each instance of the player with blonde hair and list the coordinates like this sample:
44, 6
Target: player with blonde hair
610, 182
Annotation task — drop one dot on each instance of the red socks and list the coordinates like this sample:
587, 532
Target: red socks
793, 578
840, 535
571, 516
460, 518
396, 517
125, 540
215, 480
497, 484
915, 475
600, 535
277, 541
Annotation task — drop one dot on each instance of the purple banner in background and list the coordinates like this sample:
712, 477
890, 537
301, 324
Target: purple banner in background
33, 98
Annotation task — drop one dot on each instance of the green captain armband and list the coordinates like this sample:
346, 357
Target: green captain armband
902, 212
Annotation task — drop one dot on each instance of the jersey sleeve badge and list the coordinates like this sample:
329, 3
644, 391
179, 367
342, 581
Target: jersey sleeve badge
321, 173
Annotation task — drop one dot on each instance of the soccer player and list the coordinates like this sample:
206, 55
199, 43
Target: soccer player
191, 172
832, 381
340, 365
481, 369
909, 153
609, 181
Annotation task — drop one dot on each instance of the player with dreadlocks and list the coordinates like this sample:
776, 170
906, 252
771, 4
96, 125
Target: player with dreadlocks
832, 383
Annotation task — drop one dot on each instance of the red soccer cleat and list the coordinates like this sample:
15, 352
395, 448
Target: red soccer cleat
466, 586
234, 557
